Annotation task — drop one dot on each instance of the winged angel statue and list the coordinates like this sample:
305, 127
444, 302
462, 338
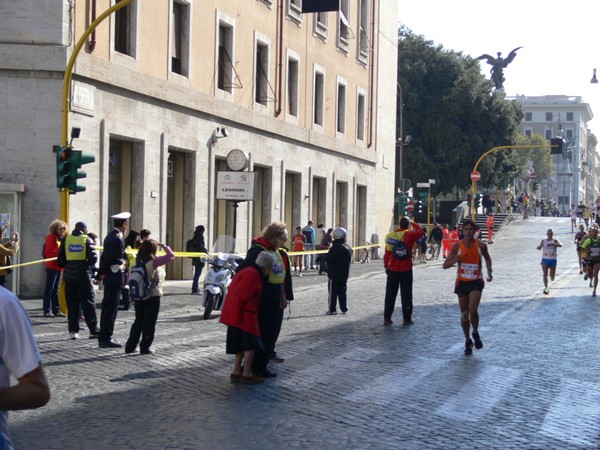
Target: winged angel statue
498, 64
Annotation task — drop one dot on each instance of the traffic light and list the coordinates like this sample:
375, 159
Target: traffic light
419, 206
403, 202
68, 163
423, 196
535, 185
477, 200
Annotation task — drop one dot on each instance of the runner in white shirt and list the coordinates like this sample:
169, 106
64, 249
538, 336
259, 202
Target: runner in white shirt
19, 357
548, 247
573, 213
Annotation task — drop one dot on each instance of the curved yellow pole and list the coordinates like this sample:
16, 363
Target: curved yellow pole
500, 147
64, 193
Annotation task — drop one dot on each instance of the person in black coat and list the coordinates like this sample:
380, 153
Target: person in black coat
112, 263
197, 244
338, 260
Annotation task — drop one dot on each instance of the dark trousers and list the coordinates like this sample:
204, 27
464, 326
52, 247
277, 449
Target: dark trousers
144, 325
337, 291
404, 281
270, 317
110, 305
80, 297
51, 290
3, 280
197, 271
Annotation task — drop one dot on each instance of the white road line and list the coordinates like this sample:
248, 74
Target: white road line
574, 416
386, 389
479, 395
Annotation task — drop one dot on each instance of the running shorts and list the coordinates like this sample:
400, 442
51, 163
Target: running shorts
464, 288
551, 263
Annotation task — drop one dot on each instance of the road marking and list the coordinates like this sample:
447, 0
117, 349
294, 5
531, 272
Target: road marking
480, 394
386, 389
574, 416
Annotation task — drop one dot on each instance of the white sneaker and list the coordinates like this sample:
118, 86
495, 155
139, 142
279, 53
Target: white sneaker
74, 336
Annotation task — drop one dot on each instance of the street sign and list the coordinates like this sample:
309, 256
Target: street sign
410, 207
475, 176
532, 176
405, 184
422, 185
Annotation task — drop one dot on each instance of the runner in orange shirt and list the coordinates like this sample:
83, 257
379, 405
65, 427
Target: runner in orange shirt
467, 253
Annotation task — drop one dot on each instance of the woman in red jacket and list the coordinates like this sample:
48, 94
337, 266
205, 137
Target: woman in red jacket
240, 314
53, 271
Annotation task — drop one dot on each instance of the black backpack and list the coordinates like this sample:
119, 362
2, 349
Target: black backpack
191, 246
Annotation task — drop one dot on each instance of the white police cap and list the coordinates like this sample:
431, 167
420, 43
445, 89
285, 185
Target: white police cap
122, 215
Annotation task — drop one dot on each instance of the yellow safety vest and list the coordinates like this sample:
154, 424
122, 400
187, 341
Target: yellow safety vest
75, 247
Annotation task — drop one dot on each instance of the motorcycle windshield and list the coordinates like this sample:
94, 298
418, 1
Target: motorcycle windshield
224, 244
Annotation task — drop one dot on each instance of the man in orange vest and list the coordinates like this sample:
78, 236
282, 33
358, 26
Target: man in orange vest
469, 285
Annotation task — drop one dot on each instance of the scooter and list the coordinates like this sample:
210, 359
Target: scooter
221, 268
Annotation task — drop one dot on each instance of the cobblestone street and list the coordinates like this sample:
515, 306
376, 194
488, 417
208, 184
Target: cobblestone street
347, 381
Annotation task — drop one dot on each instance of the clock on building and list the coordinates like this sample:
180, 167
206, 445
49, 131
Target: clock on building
237, 160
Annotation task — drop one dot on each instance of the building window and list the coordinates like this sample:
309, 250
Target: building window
344, 25
321, 25
318, 98
363, 28
569, 134
224, 63
261, 87
341, 107
292, 87
294, 11
269, 3
125, 31
360, 117
528, 117
180, 39
569, 117
548, 134
549, 117
528, 133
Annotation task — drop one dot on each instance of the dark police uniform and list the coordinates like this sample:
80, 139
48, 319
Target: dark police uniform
77, 256
111, 265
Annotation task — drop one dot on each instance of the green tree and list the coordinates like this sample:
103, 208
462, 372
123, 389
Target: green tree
453, 115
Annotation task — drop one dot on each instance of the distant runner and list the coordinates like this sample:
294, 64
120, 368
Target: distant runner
592, 246
548, 247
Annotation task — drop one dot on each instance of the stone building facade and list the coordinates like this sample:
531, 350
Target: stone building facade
164, 90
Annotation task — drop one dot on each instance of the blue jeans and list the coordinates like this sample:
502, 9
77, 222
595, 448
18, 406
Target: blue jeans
312, 257
197, 271
51, 290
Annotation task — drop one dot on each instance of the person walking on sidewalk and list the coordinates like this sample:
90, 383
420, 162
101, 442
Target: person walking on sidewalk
240, 314
77, 256
197, 244
338, 259
467, 254
592, 246
146, 311
397, 261
548, 247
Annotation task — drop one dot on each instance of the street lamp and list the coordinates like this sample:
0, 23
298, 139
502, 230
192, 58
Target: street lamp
594, 80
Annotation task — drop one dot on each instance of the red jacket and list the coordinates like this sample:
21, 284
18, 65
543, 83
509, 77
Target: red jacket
410, 237
243, 297
51, 251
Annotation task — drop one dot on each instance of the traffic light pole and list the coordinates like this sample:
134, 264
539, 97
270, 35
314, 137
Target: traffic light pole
501, 147
64, 192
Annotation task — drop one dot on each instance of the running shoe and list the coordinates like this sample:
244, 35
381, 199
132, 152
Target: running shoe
594, 293
586, 276
478, 343
468, 347
546, 291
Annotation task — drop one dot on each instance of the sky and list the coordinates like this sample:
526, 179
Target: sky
560, 40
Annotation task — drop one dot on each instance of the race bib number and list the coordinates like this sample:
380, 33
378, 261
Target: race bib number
469, 271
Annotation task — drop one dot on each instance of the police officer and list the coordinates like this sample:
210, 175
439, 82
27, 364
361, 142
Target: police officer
112, 263
78, 257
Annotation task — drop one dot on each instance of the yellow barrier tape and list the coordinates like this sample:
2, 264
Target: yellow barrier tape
189, 255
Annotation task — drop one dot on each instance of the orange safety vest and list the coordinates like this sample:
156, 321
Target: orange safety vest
469, 268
